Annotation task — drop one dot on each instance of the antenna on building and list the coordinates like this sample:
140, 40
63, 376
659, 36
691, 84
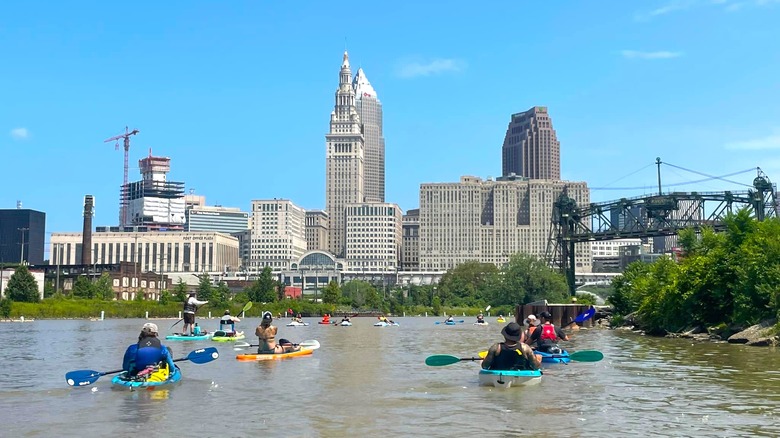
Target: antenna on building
18, 205
192, 191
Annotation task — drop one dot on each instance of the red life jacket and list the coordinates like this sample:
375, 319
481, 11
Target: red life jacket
548, 333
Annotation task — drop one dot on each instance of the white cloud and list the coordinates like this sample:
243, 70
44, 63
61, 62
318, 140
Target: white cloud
756, 144
434, 67
661, 54
20, 133
681, 5
673, 6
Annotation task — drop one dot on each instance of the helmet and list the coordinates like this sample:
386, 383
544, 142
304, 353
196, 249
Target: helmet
227, 312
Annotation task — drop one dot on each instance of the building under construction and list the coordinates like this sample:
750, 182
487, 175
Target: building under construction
154, 202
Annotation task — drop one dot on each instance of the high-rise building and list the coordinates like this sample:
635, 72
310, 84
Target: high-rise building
22, 236
531, 149
410, 241
373, 236
227, 220
154, 201
489, 221
278, 234
316, 230
344, 156
370, 110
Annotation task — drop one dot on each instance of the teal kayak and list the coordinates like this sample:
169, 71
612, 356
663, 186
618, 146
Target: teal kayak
181, 337
120, 381
508, 378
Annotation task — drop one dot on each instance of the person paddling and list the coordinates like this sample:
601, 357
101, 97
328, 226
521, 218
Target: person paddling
228, 323
190, 307
480, 319
531, 324
450, 319
547, 335
266, 334
512, 354
148, 357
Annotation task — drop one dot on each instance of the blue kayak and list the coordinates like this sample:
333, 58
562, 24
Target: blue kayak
507, 379
562, 357
181, 337
119, 381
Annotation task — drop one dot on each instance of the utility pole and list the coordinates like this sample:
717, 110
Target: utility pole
21, 257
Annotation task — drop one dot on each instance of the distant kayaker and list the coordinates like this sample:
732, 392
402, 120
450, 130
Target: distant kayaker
190, 307
531, 323
228, 322
148, 353
546, 335
480, 319
512, 354
345, 319
266, 333
450, 319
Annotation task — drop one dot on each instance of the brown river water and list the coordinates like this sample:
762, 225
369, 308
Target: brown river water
372, 381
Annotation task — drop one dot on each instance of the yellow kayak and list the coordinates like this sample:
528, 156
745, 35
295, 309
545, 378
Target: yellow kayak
237, 337
500, 320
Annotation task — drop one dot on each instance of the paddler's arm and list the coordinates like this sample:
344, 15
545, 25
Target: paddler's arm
491, 354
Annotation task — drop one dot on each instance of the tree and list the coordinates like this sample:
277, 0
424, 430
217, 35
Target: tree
22, 286
103, 287
48, 289
467, 284
5, 307
205, 289
83, 288
526, 279
180, 291
165, 297
331, 294
264, 289
220, 295
360, 293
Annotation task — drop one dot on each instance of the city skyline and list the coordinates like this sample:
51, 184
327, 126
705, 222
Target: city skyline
641, 84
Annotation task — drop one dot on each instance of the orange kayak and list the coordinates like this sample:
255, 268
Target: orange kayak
272, 356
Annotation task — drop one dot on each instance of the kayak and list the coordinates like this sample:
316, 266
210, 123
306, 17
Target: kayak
384, 324
481, 323
297, 324
274, 356
460, 321
501, 320
450, 323
120, 382
324, 322
220, 336
507, 379
562, 357
345, 323
181, 337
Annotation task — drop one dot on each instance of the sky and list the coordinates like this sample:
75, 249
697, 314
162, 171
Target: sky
238, 94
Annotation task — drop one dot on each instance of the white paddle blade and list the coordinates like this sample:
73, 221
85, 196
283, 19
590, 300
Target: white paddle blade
310, 344
240, 345
487, 308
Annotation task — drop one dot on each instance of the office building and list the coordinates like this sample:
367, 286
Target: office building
373, 237
226, 220
410, 241
154, 202
531, 148
344, 158
489, 221
278, 234
316, 230
22, 236
369, 108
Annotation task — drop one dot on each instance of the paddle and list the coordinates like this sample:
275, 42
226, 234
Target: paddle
584, 316
444, 322
579, 356
439, 360
307, 345
88, 377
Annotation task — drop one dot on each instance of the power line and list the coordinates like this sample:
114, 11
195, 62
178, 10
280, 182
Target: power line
722, 178
709, 177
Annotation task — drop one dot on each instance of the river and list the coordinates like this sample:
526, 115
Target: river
372, 381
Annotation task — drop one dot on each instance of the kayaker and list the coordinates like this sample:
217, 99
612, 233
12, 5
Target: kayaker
190, 307
450, 319
546, 335
228, 323
345, 319
512, 354
480, 319
266, 333
530, 323
148, 353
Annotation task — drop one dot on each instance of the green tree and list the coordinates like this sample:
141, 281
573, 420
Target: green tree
103, 287
359, 293
468, 284
264, 289
331, 294
140, 295
83, 288
5, 307
624, 298
48, 289
165, 297
180, 290
22, 286
526, 279
205, 289
220, 295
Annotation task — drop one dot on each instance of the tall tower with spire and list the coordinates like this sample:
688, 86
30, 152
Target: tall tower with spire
370, 110
344, 158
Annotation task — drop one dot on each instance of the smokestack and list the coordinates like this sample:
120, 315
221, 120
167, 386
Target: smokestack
86, 235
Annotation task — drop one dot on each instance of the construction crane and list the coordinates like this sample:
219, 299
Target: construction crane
126, 137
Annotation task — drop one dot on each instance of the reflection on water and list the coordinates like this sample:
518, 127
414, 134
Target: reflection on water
366, 380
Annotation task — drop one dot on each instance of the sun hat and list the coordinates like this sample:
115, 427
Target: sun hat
149, 328
531, 320
512, 331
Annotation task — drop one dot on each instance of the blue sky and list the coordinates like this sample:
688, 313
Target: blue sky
239, 93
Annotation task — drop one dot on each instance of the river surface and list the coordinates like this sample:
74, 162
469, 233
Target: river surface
372, 381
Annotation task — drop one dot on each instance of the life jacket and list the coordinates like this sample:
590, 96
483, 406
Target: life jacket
189, 306
510, 359
531, 330
548, 333
149, 353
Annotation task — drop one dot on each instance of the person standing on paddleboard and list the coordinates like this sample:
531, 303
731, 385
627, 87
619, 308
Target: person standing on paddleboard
513, 353
190, 307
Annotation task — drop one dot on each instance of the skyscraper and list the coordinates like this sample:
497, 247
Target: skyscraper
344, 159
531, 149
370, 110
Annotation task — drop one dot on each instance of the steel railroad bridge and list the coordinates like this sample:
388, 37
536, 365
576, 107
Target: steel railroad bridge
648, 216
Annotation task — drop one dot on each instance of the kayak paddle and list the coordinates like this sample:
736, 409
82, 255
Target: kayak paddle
311, 344
439, 360
444, 322
88, 377
584, 316
579, 356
